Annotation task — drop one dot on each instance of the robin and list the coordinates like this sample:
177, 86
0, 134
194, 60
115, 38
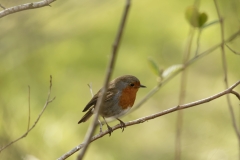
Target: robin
120, 97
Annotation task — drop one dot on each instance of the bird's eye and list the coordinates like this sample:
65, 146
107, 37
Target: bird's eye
132, 84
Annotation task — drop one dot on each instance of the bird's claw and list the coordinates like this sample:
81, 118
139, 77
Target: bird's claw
123, 125
110, 130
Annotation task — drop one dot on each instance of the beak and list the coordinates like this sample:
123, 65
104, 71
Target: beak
142, 86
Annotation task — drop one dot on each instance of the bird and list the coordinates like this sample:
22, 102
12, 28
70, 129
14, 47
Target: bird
120, 97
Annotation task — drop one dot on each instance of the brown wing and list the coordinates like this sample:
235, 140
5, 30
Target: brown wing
92, 102
109, 95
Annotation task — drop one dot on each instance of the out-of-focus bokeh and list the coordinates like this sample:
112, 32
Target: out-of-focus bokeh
71, 40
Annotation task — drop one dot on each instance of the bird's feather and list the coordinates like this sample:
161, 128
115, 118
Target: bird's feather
109, 96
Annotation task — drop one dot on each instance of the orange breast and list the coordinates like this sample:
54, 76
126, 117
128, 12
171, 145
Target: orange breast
128, 97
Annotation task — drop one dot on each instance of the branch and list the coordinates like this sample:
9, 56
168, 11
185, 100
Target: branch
23, 7
115, 47
35, 123
144, 119
224, 63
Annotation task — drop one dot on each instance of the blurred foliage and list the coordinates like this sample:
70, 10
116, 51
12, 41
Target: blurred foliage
154, 66
194, 17
72, 41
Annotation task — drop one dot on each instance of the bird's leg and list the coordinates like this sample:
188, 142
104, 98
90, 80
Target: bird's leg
100, 125
122, 124
109, 128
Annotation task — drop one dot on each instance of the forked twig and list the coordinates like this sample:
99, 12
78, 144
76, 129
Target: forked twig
23, 7
36, 121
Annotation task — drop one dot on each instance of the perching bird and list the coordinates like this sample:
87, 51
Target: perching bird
120, 97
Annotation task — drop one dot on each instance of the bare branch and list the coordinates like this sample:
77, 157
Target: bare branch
23, 7
115, 47
224, 63
36, 121
144, 119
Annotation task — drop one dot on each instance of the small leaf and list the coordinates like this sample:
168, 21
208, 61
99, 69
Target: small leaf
172, 69
153, 65
192, 16
202, 19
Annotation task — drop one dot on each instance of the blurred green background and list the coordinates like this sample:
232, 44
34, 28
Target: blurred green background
72, 42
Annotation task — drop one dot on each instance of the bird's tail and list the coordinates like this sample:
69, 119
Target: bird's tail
86, 116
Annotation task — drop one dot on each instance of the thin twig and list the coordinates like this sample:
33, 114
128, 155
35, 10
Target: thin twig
26, 6
90, 88
182, 95
115, 47
198, 41
36, 121
235, 52
91, 91
224, 62
236, 94
2, 6
144, 119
